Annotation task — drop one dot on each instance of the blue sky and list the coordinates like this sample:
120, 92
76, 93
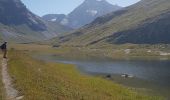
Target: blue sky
42, 7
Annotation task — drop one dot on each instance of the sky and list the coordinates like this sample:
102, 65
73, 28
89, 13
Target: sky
42, 7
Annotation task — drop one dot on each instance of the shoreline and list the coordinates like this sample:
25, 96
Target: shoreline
132, 83
57, 80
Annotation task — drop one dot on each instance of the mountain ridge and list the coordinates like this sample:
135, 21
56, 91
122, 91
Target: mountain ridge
103, 28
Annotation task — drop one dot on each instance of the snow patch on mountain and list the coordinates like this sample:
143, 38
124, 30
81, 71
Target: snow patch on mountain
92, 12
53, 20
99, 0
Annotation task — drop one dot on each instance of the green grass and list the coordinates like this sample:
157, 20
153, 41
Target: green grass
38, 80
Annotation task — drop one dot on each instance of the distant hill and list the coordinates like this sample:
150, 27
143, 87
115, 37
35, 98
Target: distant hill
17, 23
84, 14
146, 22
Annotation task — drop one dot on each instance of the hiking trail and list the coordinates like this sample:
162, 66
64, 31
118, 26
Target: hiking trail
11, 92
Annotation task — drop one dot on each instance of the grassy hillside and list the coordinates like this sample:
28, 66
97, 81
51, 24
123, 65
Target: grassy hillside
144, 12
39, 80
22, 33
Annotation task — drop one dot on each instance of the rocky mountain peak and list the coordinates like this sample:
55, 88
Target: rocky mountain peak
88, 11
84, 13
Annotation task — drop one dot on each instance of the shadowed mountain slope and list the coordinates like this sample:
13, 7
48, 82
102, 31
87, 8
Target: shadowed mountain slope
17, 23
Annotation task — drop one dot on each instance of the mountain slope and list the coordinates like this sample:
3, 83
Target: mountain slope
17, 23
13, 12
152, 31
84, 14
54, 17
134, 20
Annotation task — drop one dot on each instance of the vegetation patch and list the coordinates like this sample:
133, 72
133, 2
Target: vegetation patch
39, 80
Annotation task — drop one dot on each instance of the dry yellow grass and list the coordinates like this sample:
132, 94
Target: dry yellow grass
115, 52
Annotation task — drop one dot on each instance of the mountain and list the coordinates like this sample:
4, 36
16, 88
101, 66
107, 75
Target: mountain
88, 11
19, 24
147, 21
54, 17
85, 13
13, 12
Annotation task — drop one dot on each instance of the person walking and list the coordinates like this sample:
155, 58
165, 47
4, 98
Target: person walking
4, 49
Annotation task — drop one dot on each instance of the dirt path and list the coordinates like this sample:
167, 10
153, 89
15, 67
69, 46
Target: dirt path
11, 92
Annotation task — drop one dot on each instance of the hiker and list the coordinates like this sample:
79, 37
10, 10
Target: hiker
4, 49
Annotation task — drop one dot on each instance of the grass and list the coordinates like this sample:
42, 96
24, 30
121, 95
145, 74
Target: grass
116, 52
39, 80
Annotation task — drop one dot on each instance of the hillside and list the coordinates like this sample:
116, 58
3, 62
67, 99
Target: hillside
17, 23
144, 22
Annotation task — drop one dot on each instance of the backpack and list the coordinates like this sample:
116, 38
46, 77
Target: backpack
2, 46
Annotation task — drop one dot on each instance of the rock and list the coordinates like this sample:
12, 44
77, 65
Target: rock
19, 98
108, 76
127, 76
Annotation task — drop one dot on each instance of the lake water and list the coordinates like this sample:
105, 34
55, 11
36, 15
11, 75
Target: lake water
148, 74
